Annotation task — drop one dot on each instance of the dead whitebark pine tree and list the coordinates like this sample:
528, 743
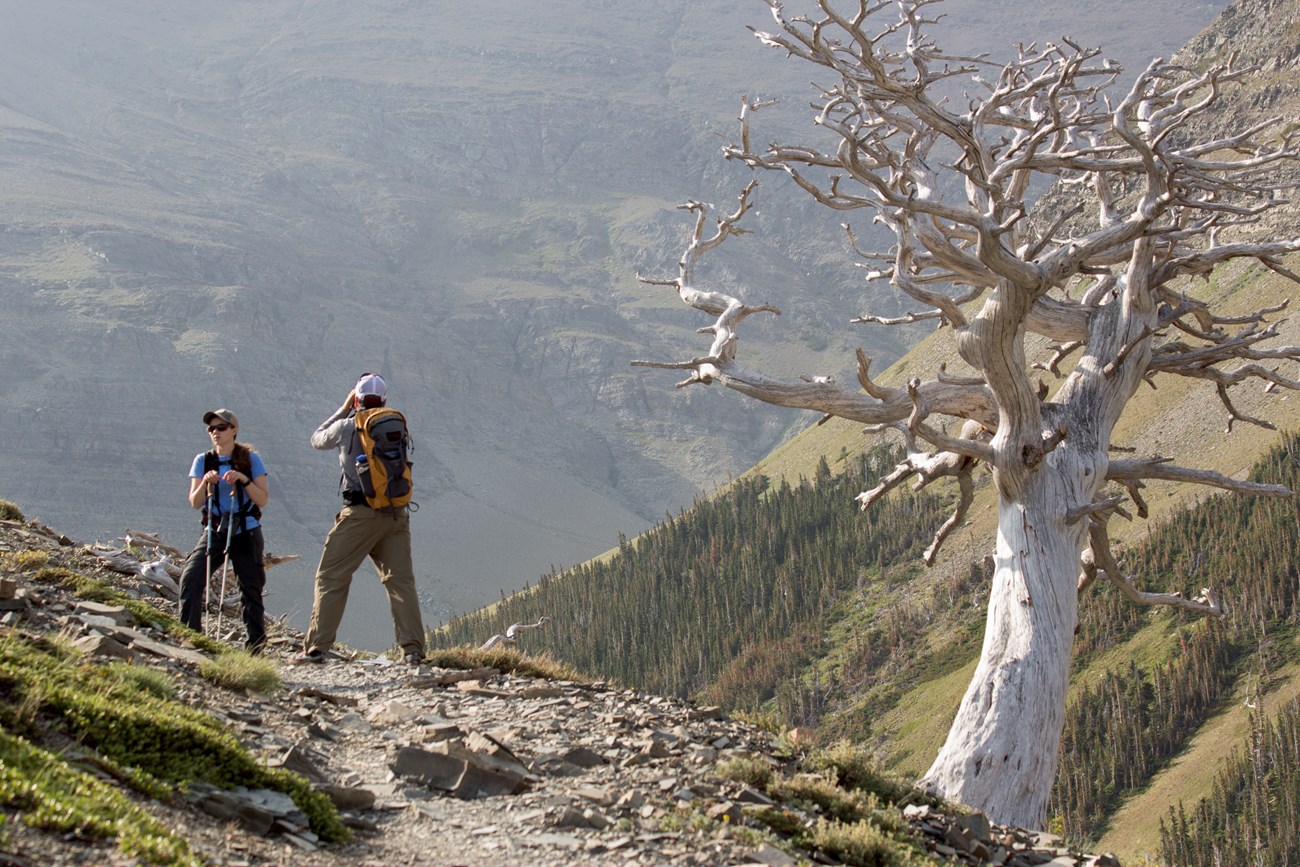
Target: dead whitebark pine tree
1164, 204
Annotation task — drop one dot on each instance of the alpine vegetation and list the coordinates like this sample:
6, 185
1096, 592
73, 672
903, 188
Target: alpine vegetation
948, 153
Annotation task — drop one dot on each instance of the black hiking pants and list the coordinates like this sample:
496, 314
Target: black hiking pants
246, 560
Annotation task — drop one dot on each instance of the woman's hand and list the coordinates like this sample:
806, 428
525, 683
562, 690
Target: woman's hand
233, 477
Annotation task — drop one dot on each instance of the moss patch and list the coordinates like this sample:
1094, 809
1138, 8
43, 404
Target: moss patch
47, 793
154, 744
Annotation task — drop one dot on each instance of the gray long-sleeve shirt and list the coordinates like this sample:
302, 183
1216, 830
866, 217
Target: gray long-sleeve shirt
339, 432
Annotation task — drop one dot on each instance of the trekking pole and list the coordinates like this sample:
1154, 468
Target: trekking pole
207, 553
225, 567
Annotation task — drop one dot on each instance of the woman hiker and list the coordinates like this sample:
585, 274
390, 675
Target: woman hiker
229, 484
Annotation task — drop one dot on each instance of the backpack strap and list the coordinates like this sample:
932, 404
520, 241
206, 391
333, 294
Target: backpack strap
247, 508
211, 461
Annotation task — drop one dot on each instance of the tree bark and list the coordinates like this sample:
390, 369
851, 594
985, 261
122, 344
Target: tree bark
1001, 751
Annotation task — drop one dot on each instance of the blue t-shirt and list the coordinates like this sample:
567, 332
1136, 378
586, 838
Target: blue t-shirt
223, 489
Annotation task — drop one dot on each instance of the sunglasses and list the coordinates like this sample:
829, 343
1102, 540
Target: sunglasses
218, 428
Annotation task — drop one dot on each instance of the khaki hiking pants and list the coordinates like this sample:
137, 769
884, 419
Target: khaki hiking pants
360, 532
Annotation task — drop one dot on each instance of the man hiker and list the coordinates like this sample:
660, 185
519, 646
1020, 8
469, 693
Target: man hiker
229, 484
374, 526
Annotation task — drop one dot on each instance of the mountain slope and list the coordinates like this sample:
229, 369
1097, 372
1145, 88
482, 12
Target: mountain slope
125, 738
250, 204
904, 703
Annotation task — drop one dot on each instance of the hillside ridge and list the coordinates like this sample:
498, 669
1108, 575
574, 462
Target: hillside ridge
497, 757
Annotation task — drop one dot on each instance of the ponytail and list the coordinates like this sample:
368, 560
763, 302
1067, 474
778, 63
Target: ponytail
241, 459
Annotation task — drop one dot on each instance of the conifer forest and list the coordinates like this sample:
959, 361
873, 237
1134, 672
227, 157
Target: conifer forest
731, 601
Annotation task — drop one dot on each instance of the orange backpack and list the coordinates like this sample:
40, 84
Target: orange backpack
383, 465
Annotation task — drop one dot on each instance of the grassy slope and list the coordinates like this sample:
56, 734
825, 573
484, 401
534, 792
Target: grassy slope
1135, 832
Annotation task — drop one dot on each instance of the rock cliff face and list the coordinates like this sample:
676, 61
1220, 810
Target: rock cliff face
248, 206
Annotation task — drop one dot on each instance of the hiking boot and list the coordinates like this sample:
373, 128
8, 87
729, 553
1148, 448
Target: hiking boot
311, 656
414, 657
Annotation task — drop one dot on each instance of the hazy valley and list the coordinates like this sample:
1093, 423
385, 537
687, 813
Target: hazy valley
249, 205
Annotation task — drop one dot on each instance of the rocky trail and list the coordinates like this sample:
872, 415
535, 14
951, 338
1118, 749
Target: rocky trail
443, 766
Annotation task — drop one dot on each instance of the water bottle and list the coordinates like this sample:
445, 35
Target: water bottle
363, 475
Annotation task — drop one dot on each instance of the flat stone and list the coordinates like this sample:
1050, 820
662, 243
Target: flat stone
560, 841
332, 698
94, 621
475, 687
168, 651
541, 692
442, 732
447, 678
352, 723
554, 766
727, 811
630, 800
459, 775
570, 818
772, 857
433, 769
481, 782
392, 713
349, 797
604, 797
257, 810
102, 645
300, 841
655, 749
298, 760
977, 824
116, 613
325, 731
749, 795
583, 757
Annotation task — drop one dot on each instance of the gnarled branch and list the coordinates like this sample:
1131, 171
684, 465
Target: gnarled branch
1098, 561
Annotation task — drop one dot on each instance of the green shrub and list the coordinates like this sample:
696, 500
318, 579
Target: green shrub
751, 770
824, 794
241, 670
865, 844
23, 561
148, 680
506, 660
853, 767
767, 720
9, 511
787, 823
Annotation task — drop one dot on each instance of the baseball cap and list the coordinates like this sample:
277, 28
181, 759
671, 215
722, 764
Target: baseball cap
224, 414
371, 384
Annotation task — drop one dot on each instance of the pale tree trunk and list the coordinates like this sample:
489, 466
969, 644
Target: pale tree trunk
1001, 751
